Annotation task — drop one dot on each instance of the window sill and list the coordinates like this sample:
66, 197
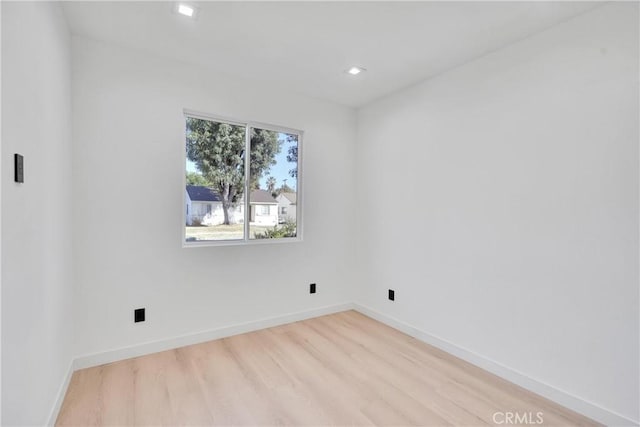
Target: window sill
252, 242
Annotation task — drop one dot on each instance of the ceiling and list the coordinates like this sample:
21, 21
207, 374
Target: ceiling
307, 46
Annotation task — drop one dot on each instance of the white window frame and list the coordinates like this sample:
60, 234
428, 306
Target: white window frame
246, 212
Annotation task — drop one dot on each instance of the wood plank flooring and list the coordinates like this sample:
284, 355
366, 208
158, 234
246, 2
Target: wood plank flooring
341, 369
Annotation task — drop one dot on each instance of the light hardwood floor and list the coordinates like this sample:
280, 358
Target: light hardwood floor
341, 369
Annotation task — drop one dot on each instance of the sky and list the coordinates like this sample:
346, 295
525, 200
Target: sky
280, 171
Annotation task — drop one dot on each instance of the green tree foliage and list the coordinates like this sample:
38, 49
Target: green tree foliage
264, 148
271, 186
288, 229
284, 188
218, 151
292, 155
194, 178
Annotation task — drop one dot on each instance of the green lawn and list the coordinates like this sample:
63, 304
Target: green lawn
222, 232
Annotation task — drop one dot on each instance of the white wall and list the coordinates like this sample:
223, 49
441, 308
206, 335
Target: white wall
521, 172
37, 291
128, 143
1, 179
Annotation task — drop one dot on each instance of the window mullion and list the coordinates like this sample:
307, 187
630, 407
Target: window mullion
247, 164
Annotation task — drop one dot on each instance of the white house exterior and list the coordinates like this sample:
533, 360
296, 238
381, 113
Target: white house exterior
264, 208
287, 203
204, 207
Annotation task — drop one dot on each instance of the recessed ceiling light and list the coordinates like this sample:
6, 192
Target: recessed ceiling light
355, 70
186, 10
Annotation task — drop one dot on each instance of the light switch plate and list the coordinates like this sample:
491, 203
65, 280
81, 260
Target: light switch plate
19, 167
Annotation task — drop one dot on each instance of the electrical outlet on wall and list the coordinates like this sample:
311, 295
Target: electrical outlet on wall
392, 295
312, 288
139, 315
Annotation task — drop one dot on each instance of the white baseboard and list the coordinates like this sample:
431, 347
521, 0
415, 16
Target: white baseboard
115, 355
561, 397
62, 391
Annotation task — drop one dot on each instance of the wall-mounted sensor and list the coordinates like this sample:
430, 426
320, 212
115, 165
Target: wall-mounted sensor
18, 161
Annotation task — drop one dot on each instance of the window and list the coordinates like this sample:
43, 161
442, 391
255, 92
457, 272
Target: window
237, 170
